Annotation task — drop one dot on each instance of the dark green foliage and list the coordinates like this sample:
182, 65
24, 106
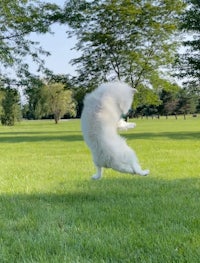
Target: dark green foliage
166, 102
49, 100
169, 103
122, 39
189, 62
17, 20
33, 95
11, 111
187, 102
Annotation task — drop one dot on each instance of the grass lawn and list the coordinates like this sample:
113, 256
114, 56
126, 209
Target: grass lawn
52, 212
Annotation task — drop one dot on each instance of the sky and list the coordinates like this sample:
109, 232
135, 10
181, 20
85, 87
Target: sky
59, 45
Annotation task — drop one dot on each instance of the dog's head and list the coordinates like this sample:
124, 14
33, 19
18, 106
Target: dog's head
126, 98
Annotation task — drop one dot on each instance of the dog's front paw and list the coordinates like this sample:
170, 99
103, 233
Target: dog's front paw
144, 172
131, 125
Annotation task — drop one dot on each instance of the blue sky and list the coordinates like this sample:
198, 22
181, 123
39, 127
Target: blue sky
59, 45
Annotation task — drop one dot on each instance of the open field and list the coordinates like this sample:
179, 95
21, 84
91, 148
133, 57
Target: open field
52, 212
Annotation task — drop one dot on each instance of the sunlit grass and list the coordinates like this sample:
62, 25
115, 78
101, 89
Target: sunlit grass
51, 211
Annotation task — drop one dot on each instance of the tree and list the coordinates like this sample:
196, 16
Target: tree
19, 18
123, 39
11, 111
186, 102
145, 101
1, 98
49, 99
169, 102
34, 108
189, 61
79, 95
60, 101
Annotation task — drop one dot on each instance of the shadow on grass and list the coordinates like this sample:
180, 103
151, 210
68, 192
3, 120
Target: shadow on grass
18, 137
70, 136
164, 135
115, 219
111, 193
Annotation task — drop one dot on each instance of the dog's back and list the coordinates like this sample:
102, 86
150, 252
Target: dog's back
102, 110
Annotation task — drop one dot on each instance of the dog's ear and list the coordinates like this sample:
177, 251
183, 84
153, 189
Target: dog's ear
134, 90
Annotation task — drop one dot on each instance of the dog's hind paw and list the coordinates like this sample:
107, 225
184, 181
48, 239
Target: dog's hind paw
96, 177
144, 172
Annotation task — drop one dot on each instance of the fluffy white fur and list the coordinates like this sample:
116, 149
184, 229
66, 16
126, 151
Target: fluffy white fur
123, 125
100, 119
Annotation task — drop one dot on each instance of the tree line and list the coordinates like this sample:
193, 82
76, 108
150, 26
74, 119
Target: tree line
56, 100
133, 41
50, 100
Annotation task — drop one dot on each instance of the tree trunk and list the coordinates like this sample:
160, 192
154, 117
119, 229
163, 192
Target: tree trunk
56, 118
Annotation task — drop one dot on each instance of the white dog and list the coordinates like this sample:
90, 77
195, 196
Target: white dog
100, 118
123, 125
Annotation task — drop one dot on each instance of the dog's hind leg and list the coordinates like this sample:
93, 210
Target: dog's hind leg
131, 163
98, 174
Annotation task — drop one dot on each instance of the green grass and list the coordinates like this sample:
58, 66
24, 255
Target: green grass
52, 212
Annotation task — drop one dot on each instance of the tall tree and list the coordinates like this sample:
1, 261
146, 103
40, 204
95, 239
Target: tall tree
34, 97
19, 18
169, 104
186, 102
189, 61
10, 107
123, 39
49, 99
1, 98
60, 101
146, 97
